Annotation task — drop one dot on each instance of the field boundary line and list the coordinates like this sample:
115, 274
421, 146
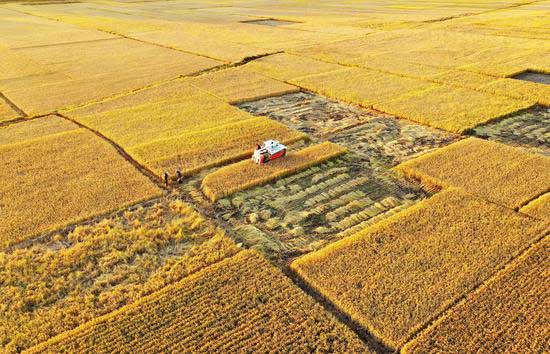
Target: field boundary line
478, 287
144, 170
340, 315
60, 44
13, 106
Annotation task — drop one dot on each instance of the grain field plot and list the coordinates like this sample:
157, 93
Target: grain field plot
97, 71
494, 171
304, 211
34, 129
240, 84
396, 276
60, 179
382, 140
6, 112
509, 314
93, 269
538, 208
242, 303
283, 66
530, 130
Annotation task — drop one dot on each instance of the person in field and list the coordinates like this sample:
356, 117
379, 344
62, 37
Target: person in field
166, 178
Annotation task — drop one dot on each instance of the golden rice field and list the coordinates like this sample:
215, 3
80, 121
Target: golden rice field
410, 214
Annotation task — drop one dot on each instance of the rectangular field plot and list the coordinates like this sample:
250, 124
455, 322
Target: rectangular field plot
538, 208
507, 315
382, 140
530, 130
309, 209
487, 169
241, 304
396, 276
240, 84
97, 70
62, 178
91, 270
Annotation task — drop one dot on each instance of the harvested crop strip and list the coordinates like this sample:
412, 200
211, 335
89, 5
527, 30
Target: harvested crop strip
97, 268
211, 147
509, 314
361, 86
240, 84
286, 66
454, 109
60, 179
242, 303
245, 174
538, 208
395, 276
490, 170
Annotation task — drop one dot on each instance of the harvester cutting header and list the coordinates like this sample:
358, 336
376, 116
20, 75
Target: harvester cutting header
269, 150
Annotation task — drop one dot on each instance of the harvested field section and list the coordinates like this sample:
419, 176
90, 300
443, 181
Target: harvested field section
538, 208
34, 129
240, 84
97, 268
307, 210
240, 304
382, 140
60, 179
451, 108
285, 66
397, 275
245, 174
490, 170
539, 78
530, 130
509, 314
309, 113
211, 147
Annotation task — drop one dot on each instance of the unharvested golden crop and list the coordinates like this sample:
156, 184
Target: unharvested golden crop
57, 284
241, 84
490, 170
509, 314
241, 304
245, 174
531, 91
98, 69
454, 109
538, 208
211, 147
35, 129
361, 86
286, 66
62, 178
394, 277
6, 113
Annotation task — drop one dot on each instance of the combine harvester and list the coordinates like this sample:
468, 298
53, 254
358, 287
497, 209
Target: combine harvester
268, 151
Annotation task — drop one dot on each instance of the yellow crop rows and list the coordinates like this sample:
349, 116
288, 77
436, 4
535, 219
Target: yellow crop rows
245, 174
35, 129
242, 303
6, 113
285, 66
97, 268
395, 276
490, 170
240, 84
538, 208
508, 314
62, 178
211, 147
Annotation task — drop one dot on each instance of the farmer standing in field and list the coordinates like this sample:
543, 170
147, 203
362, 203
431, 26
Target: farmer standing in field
166, 177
